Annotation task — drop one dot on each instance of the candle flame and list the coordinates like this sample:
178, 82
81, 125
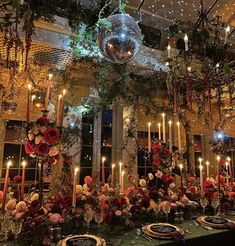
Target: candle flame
149, 124
159, 124
167, 63
9, 163
170, 122
217, 65
200, 167
227, 28
228, 159
163, 115
168, 47
113, 165
200, 159
76, 170
23, 163
123, 172
50, 76
185, 37
60, 96
218, 158
29, 87
207, 163
33, 97
178, 123
103, 158
189, 69
120, 164
226, 164
181, 166
64, 92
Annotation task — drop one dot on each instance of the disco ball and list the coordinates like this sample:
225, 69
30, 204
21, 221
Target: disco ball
123, 41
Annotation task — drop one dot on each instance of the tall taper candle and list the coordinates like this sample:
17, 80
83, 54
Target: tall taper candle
23, 180
227, 30
181, 176
186, 42
112, 176
169, 51
62, 108
218, 172
159, 132
28, 104
201, 179
9, 163
227, 173
75, 178
58, 110
230, 170
170, 136
120, 174
102, 169
149, 137
179, 136
164, 127
207, 169
48, 91
122, 184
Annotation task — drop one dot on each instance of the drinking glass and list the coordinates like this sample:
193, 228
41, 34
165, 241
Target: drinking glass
88, 215
166, 209
215, 204
156, 210
16, 228
98, 216
203, 202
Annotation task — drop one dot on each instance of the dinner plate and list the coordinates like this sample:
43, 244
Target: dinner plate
214, 221
84, 240
161, 230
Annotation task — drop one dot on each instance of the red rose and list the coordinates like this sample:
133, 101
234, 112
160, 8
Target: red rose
166, 151
42, 121
29, 149
208, 184
222, 163
192, 189
156, 148
42, 149
52, 135
169, 178
191, 179
88, 180
17, 179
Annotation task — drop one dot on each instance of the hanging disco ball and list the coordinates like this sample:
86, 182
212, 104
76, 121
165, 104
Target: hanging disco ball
123, 41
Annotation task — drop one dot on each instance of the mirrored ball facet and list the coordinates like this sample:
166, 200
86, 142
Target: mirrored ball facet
123, 41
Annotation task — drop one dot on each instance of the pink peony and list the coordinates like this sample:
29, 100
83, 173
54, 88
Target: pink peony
88, 180
53, 151
55, 218
21, 206
11, 204
19, 216
118, 213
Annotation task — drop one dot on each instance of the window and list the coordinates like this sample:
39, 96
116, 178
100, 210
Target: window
13, 149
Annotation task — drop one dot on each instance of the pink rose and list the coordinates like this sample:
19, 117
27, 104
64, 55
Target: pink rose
11, 204
19, 216
55, 218
118, 213
53, 151
191, 179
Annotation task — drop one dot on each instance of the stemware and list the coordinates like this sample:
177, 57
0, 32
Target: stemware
16, 228
215, 204
156, 210
203, 203
166, 209
88, 216
98, 216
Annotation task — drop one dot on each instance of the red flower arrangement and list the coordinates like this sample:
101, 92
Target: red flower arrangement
42, 149
29, 149
17, 179
51, 135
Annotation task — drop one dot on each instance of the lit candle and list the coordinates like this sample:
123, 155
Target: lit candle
186, 42
28, 103
217, 67
201, 178
75, 178
62, 107
48, 91
179, 136
189, 69
159, 131
218, 172
163, 127
9, 163
102, 169
120, 174
170, 136
58, 110
122, 184
230, 170
227, 30
207, 169
169, 51
181, 176
23, 180
227, 172
149, 137
112, 176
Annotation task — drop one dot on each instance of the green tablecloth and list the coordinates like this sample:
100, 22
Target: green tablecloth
198, 236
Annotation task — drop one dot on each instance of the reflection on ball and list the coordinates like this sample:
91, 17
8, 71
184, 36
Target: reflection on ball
123, 41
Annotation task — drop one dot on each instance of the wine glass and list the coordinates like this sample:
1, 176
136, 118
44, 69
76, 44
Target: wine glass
88, 215
203, 203
98, 216
16, 228
166, 207
156, 210
215, 204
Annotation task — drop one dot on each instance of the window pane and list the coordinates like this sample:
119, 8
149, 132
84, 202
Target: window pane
86, 156
11, 151
107, 117
14, 131
106, 136
87, 134
88, 118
